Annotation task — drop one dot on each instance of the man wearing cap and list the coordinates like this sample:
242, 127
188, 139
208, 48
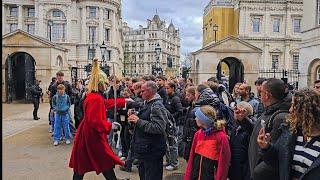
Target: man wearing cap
36, 92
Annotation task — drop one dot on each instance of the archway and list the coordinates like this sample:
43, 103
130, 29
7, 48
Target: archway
235, 71
313, 71
20, 76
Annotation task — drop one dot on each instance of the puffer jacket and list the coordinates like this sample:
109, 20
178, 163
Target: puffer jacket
254, 157
281, 154
174, 106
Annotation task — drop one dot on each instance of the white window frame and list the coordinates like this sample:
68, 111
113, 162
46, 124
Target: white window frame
275, 64
56, 13
318, 73
276, 27
253, 24
107, 13
92, 11
31, 28
14, 13
30, 13
92, 30
58, 32
294, 28
295, 62
106, 34
13, 27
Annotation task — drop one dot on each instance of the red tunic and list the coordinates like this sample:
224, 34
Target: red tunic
91, 151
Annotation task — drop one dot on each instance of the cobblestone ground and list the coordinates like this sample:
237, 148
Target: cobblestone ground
28, 153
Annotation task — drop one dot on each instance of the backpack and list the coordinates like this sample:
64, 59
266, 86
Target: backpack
171, 129
269, 125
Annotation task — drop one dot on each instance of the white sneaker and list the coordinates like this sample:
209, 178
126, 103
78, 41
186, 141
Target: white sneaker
55, 143
171, 168
68, 141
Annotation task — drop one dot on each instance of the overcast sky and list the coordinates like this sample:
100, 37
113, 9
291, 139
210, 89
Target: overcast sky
185, 15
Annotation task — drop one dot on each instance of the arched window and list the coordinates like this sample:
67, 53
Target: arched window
197, 66
56, 25
59, 61
318, 73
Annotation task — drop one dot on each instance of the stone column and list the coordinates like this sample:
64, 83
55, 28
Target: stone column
4, 16
20, 16
40, 28
69, 27
83, 25
287, 58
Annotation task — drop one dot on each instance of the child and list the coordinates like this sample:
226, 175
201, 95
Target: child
210, 152
61, 103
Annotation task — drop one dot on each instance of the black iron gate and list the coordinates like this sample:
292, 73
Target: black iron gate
288, 76
78, 73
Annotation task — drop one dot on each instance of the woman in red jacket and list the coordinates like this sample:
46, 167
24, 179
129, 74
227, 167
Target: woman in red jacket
91, 151
210, 152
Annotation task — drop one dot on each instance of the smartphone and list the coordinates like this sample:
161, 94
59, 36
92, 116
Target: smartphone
263, 123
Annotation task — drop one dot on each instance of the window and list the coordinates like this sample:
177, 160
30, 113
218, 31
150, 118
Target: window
59, 61
14, 11
91, 53
13, 27
276, 25
107, 35
295, 62
256, 25
108, 57
31, 12
30, 28
169, 62
92, 34
93, 12
275, 61
56, 13
318, 74
58, 32
296, 25
107, 13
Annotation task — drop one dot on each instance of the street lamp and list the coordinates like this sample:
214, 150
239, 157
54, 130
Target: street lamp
103, 49
158, 69
215, 29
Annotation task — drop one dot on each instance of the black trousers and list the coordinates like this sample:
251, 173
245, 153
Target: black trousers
151, 169
109, 175
36, 103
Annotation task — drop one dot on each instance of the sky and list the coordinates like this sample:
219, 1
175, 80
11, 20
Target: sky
186, 15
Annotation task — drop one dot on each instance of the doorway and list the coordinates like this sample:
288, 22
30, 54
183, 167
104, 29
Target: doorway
20, 76
230, 71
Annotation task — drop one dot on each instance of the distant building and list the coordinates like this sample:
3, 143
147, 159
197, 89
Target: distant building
41, 37
309, 65
139, 48
254, 39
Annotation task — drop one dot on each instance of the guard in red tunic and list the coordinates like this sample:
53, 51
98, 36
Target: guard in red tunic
91, 151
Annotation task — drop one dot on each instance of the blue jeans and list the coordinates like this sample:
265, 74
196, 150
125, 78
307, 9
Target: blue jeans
61, 120
172, 152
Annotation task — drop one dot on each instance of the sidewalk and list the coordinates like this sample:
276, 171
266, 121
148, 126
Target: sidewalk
18, 117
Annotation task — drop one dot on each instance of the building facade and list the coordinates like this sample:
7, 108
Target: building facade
309, 65
272, 26
74, 28
140, 44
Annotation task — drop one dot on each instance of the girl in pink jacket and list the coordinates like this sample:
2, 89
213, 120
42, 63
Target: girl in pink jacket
210, 152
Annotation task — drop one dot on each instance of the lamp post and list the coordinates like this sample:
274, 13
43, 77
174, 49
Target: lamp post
158, 69
215, 29
103, 49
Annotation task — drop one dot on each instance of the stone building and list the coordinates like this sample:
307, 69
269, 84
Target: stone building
309, 65
139, 48
41, 37
270, 28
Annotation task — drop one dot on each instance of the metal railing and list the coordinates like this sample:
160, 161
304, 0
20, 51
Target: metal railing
290, 76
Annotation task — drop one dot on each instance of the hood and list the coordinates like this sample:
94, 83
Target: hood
208, 97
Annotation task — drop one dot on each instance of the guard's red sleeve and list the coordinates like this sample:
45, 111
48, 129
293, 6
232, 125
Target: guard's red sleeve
121, 103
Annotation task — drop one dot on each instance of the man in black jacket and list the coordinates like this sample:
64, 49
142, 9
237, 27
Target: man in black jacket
149, 142
274, 98
36, 92
161, 82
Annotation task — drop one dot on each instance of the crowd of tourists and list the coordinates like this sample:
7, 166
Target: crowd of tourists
273, 134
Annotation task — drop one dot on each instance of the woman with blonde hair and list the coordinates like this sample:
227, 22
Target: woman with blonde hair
297, 151
210, 152
91, 151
